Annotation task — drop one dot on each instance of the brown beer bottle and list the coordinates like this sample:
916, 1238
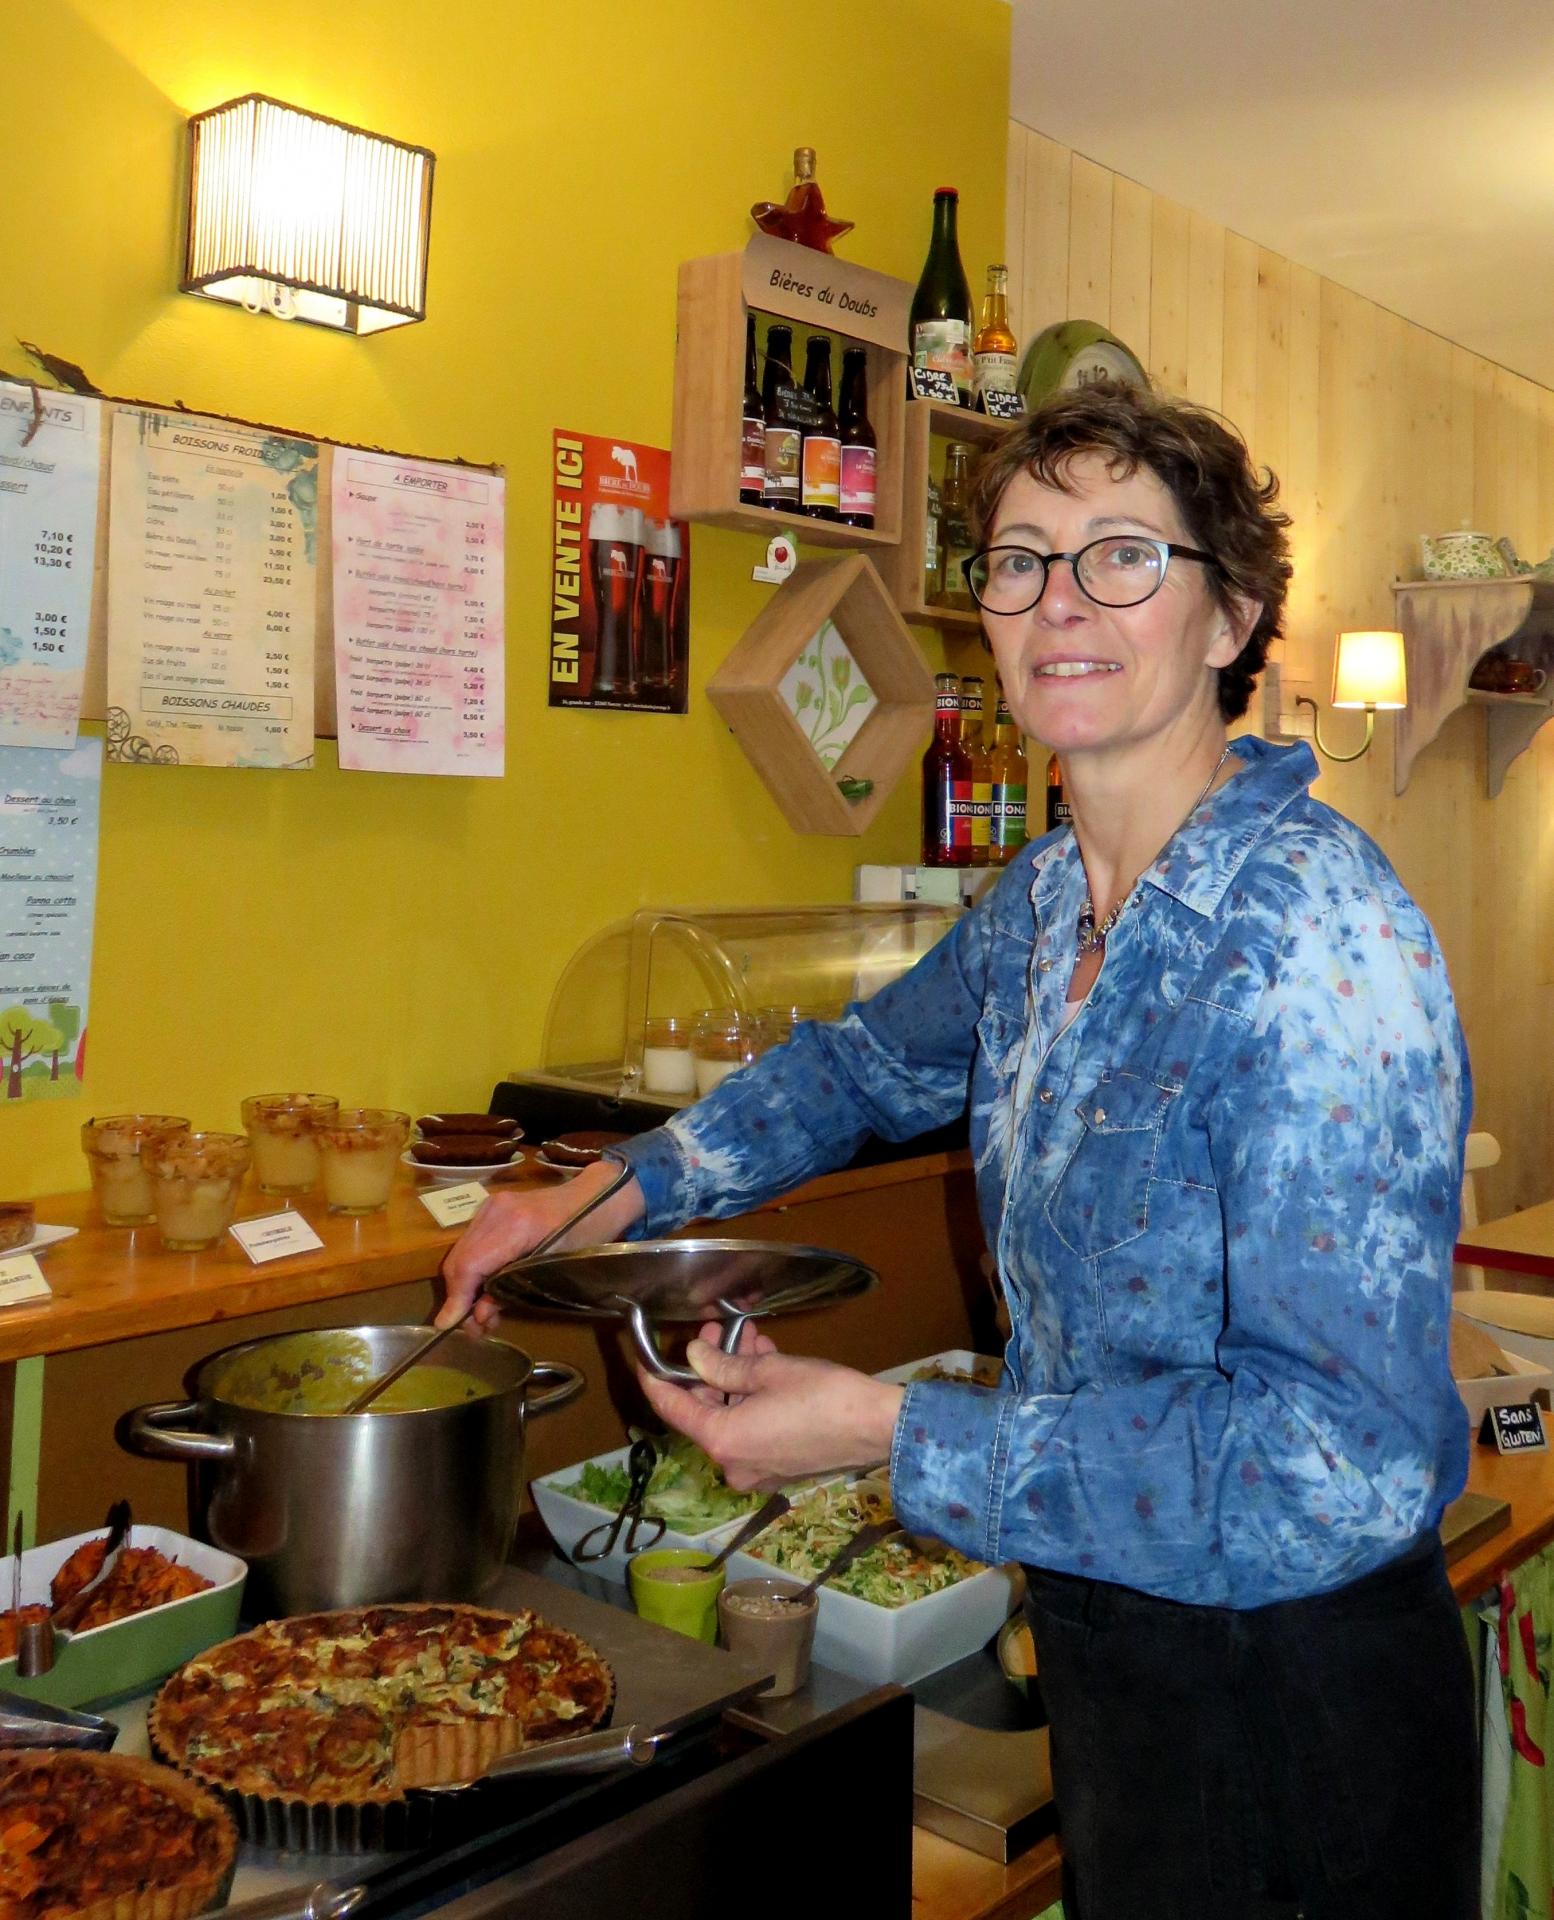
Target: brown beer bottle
955, 529
783, 436
752, 446
946, 783
1011, 777
858, 444
972, 714
821, 457
1059, 813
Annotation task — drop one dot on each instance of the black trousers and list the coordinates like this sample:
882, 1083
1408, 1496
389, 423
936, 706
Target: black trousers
1315, 1757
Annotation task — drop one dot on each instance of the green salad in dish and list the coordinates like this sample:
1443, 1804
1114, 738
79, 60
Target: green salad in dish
889, 1574
686, 1492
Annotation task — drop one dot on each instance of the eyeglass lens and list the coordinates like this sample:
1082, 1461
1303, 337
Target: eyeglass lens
1119, 571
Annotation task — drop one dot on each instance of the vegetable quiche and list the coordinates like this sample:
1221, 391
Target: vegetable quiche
103, 1836
358, 1706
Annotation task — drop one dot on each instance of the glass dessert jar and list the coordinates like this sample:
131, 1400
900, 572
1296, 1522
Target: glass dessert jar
667, 1066
284, 1130
194, 1183
114, 1145
358, 1148
722, 1042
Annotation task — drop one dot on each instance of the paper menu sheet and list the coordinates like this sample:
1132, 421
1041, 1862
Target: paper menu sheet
212, 588
48, 538
48, 892
418, 615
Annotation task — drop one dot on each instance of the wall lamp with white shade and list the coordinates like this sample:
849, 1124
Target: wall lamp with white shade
305, 217
1368, 671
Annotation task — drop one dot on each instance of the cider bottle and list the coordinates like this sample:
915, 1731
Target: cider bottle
993, 352
946, 783
1010, 773
940, 319
955, 529
972, 714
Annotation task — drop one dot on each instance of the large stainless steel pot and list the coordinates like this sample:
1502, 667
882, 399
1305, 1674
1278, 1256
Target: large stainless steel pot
340, 1510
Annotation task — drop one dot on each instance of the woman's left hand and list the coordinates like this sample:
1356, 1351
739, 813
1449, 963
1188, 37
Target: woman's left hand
789, 1416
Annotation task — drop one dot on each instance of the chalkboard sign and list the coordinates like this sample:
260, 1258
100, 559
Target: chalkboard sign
1517, 1429
1001, 406
934, 383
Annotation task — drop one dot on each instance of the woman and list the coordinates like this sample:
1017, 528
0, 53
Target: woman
1218, 1096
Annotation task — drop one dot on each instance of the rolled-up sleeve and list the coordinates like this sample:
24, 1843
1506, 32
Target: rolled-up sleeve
1324, 1432
896, 1065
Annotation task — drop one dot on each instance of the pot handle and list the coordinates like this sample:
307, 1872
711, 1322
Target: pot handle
160, 1432
556, 1382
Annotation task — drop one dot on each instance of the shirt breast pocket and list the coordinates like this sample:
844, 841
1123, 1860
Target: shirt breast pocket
1100, 1201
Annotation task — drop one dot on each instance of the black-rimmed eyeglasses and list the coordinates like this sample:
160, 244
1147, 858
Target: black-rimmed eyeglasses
1119, 570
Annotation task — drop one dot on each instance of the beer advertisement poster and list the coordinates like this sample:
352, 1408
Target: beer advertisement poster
620, 583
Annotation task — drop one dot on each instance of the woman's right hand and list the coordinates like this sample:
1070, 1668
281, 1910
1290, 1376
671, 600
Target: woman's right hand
510, 1224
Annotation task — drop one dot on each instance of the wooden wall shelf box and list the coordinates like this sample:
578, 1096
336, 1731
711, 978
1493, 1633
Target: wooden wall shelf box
709, 390
1448, 626
926, 421
746, 691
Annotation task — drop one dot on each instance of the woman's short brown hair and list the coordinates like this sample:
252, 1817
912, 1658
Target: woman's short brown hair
1227, 507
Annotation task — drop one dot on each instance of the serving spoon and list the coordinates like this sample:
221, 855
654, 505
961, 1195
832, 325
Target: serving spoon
758, 1522
862, 1540
416, 1355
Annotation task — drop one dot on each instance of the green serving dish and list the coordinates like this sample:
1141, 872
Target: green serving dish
129, 1656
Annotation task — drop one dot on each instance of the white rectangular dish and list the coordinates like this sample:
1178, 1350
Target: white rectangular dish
1521, 1380
569, 1518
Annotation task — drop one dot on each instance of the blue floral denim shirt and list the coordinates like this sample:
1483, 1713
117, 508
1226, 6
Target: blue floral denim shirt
1223, 1200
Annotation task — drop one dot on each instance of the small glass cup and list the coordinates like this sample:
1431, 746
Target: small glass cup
358, 1149
723, 1041
758, 1623
194, 1181
667, 1065
284, 1130
777, 1023
667, 1589
114, 1144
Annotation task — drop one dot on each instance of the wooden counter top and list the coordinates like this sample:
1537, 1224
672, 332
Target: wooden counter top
114, 1283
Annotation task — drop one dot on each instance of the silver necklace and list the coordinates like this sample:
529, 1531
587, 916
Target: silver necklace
1090, 938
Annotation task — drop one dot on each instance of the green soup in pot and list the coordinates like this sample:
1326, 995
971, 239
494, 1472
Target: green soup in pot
322, 1373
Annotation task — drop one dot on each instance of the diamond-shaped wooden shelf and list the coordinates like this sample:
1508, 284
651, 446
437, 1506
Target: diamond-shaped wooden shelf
746, 690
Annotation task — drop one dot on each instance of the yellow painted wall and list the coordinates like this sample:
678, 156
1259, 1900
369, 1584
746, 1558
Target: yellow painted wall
1379, 431
395, 940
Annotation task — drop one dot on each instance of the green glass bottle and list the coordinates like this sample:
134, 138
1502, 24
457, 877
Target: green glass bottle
941, 306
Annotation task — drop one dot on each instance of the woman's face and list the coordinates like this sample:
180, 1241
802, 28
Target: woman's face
1084, 678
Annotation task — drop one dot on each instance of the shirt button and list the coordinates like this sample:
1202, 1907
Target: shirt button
1045, 1096
1099, 1116
1044, 966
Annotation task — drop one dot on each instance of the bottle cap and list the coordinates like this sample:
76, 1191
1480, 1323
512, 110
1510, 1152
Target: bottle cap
940, 192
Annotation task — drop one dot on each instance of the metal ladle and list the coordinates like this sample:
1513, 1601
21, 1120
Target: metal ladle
418, 1354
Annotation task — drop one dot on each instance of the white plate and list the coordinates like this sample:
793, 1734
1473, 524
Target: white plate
43, 1237
445, 1175
543, 1159
953, 1360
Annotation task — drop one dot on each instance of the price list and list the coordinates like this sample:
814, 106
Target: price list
50, 455
418, 616
211, 593
48, 891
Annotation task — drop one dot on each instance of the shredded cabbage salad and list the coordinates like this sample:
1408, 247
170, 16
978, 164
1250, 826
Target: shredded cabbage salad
686, 1492
890, 1574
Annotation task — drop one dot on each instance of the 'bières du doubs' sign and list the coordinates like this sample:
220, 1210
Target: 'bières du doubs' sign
796, 283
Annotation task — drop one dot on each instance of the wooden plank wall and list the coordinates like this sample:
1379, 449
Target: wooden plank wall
1379, 431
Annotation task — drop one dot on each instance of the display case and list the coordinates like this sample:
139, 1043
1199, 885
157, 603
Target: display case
732, 980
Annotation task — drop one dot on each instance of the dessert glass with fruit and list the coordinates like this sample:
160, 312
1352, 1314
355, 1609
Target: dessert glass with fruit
284, 1130
115, 1146
358, 1148
195, 1179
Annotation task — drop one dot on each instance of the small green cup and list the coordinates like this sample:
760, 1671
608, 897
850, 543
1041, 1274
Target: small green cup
687, 1606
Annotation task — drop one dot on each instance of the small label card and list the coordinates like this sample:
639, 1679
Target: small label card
452, 1206
935, 383
1517, 1429
1001, 406
21, 1280
274, 1235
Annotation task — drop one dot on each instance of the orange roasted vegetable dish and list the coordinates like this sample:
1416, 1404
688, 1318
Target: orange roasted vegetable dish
142, 1577
108, 1836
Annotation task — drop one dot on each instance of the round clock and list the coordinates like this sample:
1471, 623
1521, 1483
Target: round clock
1076, 353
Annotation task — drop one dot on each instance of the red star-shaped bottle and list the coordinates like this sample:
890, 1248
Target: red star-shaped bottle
802, 217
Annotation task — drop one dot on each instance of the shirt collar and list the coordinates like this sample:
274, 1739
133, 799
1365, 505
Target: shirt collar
1196, 867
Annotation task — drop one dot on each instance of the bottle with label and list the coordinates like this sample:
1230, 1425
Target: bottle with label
782, 434
941, 306
946, 783
752, 445
1059, 812
1010, 773
972, 714
955, 529
821, 456
993, 352
858, 444
933, 579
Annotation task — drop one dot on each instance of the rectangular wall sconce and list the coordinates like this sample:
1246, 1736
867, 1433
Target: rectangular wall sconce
305, 217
